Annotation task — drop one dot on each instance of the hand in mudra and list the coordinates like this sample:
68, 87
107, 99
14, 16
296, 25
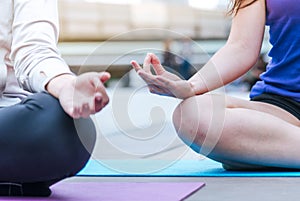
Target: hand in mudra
85, 94
162, 82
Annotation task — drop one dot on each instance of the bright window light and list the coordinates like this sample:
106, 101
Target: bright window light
115, 1
204, 4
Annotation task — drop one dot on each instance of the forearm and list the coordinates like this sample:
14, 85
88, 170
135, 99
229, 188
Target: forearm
229, 63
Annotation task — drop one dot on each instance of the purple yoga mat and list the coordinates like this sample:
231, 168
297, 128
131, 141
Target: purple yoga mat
119, 191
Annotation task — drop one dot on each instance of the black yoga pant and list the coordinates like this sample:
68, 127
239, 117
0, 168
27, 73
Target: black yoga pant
285, 103
39, 142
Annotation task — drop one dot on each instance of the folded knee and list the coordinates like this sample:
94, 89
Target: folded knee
192, 118
186, 118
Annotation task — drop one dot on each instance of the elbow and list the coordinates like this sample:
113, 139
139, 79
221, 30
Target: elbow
252, 56
251, 60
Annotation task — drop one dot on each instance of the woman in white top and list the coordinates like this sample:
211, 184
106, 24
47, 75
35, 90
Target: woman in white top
41, 101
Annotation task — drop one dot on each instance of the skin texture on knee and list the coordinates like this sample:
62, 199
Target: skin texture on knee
194, 119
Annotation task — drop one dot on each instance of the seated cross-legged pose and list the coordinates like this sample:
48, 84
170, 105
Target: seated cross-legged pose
46, 133
260, 133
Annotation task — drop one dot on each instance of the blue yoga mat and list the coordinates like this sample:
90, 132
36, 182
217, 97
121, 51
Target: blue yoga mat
163, 168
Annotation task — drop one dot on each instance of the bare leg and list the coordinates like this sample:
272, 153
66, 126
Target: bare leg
239, 132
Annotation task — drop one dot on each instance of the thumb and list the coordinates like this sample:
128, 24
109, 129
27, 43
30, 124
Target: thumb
104, 76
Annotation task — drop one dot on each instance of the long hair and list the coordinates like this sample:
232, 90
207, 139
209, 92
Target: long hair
236, 5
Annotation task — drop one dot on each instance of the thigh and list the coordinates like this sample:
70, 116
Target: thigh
209, 105
232, 102
39, 141
35, 115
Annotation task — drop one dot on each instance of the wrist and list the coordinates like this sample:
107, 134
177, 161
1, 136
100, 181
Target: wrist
56, 84
194, 88
198, 84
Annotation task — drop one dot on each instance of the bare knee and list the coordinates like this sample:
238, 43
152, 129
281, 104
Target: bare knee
191, 118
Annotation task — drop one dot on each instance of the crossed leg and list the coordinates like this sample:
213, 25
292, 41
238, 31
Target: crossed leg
239, 133
41, 145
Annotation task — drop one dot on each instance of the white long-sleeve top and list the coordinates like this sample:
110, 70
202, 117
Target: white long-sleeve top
29, 57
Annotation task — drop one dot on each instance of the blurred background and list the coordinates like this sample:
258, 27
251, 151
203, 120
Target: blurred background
97, 35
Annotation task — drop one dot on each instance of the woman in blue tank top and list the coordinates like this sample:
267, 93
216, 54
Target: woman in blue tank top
263, 132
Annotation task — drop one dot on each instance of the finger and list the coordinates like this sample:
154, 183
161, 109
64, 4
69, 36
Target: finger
92, 107
105, 100
158, 68
98, 97
135, 65
101, 100
104, 76
149, 78
85, 110
75, 113
98, 102
96, 83
147, 63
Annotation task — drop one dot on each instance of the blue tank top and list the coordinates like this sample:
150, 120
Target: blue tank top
282, 75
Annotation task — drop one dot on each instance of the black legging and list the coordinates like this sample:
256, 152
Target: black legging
39, 142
